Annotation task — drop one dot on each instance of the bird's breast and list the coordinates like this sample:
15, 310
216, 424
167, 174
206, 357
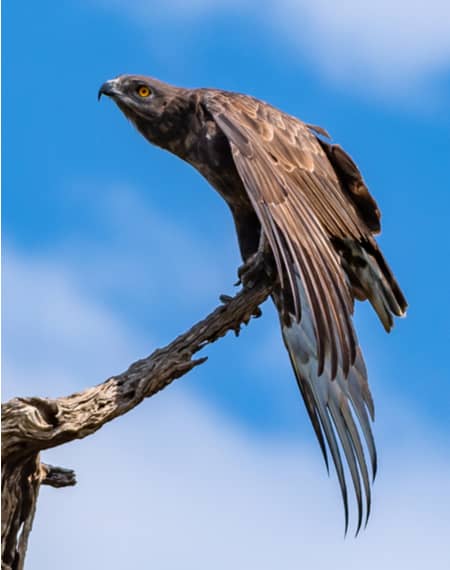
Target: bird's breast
209, 152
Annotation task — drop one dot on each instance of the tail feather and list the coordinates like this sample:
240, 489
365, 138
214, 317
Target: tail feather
371, 278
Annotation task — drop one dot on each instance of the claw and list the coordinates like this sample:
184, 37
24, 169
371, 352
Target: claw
253, 270
257, 313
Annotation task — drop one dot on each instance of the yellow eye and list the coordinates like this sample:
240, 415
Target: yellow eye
143, 91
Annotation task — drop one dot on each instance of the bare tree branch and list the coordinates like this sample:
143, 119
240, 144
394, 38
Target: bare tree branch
30, 425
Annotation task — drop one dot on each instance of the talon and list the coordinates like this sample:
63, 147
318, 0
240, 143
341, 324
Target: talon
257, 267
225, 299
253, 270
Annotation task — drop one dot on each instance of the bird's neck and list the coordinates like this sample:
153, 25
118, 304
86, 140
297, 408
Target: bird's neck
173, 128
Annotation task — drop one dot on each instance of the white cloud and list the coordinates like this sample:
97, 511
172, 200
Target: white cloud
382, 45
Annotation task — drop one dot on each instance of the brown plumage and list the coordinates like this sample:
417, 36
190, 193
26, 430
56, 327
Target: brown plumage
301, 210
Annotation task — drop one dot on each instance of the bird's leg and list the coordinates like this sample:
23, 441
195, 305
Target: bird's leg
258, 266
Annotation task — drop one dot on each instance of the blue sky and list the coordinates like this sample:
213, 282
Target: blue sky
112, 247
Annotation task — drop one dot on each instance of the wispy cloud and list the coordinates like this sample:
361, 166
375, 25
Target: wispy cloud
142, 10
378, 45
134, 251
57, 339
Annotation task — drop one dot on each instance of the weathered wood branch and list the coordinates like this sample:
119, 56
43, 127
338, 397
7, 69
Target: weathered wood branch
31, 425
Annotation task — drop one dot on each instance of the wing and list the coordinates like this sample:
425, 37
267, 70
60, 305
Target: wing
302, 206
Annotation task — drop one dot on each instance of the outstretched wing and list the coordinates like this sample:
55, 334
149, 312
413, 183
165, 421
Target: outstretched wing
302, 206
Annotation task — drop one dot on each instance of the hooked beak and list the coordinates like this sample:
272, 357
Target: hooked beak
108, 88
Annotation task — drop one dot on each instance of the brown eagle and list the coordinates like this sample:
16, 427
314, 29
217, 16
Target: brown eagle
304, 216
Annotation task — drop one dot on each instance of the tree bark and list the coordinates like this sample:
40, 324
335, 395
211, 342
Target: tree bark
31, 425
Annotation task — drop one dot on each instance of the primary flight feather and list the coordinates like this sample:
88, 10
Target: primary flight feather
303, 215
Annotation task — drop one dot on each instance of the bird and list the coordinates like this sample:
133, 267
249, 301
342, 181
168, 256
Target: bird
304, 218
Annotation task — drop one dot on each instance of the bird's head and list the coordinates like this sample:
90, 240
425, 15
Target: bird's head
159, 111
139, 96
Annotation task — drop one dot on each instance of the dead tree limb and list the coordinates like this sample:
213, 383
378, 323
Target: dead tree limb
31, 425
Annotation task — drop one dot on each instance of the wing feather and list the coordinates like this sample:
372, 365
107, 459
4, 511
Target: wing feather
301, 205
327, 402
275, 194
